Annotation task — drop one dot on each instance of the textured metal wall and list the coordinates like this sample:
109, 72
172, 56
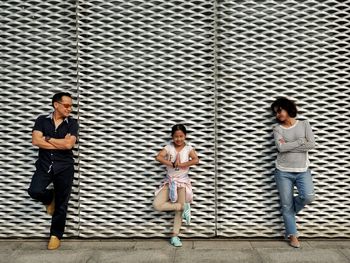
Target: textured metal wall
38, 58
144, 66
136, 68
268, 49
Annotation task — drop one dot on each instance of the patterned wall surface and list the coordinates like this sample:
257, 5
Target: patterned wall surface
137, 67
38, 58
144, 66
268, 49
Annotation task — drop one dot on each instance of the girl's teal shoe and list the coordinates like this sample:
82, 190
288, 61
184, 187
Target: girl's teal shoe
175, 241
186, 214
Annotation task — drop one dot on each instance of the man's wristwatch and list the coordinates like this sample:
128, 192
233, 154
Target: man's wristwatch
47, 138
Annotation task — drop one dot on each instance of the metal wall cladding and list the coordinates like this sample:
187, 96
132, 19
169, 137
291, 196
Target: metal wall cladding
135, 68
144, 66
38, 58
268, 49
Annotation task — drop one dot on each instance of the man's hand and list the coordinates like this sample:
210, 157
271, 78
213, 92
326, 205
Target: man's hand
38, 139
64, 144
282, 141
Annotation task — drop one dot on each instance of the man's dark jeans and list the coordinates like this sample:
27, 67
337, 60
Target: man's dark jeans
62, 183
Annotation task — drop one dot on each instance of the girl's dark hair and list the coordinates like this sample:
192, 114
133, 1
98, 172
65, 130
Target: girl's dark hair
283, 103
58, 97
178, 127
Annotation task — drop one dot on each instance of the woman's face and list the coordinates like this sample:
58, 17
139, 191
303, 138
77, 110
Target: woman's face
179, 138
281, 115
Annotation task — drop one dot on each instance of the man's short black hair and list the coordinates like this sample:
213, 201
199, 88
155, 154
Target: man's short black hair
286, 104
58, 97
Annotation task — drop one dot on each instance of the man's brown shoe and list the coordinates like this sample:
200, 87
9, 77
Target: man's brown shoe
54, 243
50, 209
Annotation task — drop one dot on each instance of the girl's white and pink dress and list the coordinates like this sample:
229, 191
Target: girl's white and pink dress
177, 177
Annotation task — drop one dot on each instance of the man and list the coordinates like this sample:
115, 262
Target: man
55, 135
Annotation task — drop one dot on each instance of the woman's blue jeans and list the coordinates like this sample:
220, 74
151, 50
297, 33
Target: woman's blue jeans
291, 204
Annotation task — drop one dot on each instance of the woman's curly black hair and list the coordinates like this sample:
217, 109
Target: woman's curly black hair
286, 104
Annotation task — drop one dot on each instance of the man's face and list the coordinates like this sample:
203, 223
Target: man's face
64, 107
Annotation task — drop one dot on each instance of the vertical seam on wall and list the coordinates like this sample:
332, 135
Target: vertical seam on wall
78, 100
216, 112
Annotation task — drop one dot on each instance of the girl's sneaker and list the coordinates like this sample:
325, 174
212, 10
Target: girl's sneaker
175, 241
186, 214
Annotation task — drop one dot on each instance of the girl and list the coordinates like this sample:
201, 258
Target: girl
293, 138
175, 192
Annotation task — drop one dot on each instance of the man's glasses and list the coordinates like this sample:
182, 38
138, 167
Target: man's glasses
66, 105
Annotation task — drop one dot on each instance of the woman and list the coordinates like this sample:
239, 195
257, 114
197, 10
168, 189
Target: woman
175, 193
293, 138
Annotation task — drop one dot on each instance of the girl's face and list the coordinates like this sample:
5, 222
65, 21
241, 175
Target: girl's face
179, 138
281, 115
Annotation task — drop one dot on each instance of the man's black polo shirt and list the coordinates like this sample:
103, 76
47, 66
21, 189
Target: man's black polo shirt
55, 160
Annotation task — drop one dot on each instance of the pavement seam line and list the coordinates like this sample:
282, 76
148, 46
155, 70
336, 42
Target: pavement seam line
174, 256
341, 252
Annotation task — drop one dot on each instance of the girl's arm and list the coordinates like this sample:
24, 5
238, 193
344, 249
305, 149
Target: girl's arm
161, 158
194, 160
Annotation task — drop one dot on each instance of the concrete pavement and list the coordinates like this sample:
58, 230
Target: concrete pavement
158, 250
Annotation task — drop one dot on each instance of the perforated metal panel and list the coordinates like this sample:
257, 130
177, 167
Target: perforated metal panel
144, 67
268, 49
137, 67
38, 57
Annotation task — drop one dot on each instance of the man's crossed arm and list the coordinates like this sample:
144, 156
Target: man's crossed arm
67, 143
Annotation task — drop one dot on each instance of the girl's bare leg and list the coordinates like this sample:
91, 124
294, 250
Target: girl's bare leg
181, 195
161, 201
